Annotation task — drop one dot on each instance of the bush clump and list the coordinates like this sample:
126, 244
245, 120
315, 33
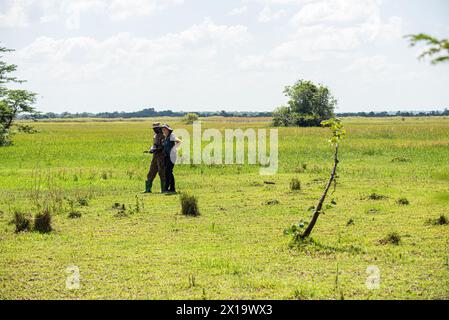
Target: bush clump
293, 119
42, 222
189, 205
22, 221
295, 184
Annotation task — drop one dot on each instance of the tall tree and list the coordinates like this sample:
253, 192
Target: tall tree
12, 102
436, 50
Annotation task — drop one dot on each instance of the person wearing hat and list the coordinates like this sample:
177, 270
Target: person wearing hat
170, 145
157, 163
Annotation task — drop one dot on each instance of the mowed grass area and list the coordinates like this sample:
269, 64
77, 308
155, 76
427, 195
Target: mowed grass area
236, 249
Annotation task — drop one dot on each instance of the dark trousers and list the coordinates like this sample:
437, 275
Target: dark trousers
169, 177
157, 166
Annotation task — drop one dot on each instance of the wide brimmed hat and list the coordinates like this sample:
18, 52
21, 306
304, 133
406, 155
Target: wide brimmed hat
156, 125
166, 126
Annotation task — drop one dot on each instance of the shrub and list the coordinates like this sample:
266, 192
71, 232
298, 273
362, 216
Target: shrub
403, 201
190, 118
22, 221
26, 129
42, 222
295, 184
282, 117
297, 120
5, 136
189, 205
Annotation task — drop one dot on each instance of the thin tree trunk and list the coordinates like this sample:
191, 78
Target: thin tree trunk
323, 197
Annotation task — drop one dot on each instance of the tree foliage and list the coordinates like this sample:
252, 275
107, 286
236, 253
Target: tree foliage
436, 50
190, 118
12, 102
309, 99
309, 104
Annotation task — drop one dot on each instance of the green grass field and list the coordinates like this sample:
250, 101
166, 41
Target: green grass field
236, 248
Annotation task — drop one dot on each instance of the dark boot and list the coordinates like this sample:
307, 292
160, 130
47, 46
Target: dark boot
163, 186
148, 186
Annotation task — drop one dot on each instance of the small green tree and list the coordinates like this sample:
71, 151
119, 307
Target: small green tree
309, 104
338, 134
12, 102
437, 50
309, 99
190, 118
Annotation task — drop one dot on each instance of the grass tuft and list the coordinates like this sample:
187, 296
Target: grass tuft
83, 201
74, 214
189, 205
22, 221
400, 159
42, 222
440, 221
295, 185
392, 238
376, 196
403, 201
272, 202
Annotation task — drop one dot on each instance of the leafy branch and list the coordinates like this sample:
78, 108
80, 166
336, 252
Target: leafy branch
433, 47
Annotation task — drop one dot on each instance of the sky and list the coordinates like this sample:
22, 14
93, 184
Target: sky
234, 55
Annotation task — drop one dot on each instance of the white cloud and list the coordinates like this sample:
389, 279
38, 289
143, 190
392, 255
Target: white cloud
238, 11
284, 2
124, 9
70, 11
372, 68
337, 11
268, 15
14, 14
329, 29
125, 56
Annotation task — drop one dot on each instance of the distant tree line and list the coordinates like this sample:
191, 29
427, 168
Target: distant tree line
381, 114
148, 112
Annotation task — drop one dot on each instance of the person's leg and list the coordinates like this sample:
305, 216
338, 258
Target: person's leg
167, 173
171, 187
161, 171
151, 175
